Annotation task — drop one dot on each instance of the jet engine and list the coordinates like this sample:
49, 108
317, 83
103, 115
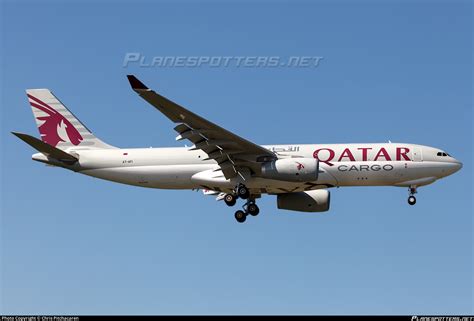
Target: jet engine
310, 201
292, 169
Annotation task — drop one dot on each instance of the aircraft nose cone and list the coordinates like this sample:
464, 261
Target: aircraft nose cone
458, 166
454, 167
450, 168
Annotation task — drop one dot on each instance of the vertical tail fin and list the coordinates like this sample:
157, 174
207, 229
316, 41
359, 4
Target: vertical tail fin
59, 127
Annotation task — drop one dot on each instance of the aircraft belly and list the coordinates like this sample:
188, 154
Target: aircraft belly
215, 180
161, 176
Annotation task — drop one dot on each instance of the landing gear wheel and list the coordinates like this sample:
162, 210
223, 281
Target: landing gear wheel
240, 216
230, 199
253, 209
243, 192
412, 200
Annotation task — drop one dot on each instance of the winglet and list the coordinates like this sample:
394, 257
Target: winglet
135, 83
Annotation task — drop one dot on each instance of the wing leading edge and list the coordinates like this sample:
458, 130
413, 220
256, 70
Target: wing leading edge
232, 152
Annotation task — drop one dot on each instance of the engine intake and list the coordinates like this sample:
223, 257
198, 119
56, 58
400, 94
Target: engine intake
310, 201
292, 169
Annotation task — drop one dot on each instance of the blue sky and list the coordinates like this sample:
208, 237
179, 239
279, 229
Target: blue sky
396, 70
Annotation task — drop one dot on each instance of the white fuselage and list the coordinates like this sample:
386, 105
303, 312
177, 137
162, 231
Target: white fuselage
388, 164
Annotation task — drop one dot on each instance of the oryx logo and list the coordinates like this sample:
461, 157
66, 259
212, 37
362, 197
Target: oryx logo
299, 166
55, 127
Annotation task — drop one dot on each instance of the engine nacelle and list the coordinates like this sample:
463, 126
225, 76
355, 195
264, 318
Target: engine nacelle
310, 201
292, 169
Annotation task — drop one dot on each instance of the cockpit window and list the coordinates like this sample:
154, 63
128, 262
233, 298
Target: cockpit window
442, 154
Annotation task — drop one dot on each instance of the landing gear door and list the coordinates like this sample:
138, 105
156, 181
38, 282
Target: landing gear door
417, 155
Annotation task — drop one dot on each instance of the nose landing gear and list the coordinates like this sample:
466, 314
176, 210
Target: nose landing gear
411, 197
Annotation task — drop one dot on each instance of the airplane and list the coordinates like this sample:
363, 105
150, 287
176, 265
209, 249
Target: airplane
226, 165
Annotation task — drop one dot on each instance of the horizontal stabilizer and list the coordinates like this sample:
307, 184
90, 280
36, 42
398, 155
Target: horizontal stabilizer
46, 149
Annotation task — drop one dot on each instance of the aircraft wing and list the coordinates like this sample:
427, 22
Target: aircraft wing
231, 152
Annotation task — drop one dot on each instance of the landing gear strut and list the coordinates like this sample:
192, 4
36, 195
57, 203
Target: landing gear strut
411, 197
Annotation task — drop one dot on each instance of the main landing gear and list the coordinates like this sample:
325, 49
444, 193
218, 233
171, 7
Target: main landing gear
249, 207
411, 197
243, 192
230, 199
